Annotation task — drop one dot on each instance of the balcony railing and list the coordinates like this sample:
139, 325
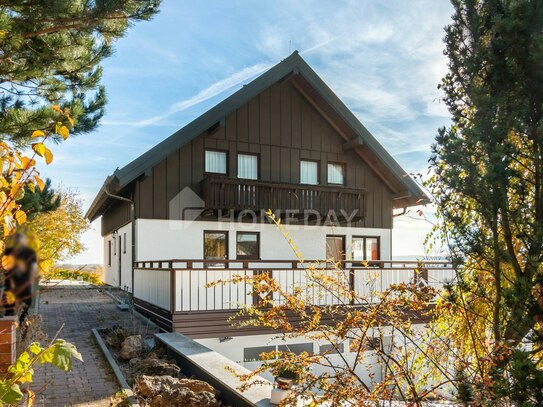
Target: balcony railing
181, 285
241, 194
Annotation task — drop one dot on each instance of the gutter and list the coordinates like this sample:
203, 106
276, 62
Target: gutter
133, 221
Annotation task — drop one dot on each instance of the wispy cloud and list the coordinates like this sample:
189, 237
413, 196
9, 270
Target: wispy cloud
207, 93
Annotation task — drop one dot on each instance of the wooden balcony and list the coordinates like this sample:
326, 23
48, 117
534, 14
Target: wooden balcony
176, 295
302, 200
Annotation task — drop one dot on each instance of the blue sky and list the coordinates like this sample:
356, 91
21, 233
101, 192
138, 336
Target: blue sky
383, 59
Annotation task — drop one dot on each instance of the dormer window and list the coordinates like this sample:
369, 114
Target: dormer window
215, 162
248, 166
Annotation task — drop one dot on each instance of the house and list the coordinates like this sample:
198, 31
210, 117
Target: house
190, 209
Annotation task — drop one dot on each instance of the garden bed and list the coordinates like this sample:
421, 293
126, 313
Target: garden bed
147, 376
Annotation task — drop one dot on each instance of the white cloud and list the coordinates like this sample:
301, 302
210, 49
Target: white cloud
209, 92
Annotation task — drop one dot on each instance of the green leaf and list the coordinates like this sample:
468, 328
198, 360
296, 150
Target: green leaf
35, 348
12, 395
60, 354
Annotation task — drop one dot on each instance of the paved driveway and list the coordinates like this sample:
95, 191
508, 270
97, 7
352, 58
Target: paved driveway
80, 308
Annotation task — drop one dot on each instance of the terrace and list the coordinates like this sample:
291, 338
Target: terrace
175, 293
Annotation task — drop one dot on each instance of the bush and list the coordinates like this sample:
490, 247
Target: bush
94, 277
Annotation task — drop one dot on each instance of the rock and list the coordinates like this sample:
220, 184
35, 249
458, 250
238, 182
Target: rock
115, 336
168, 391
131, 347
154, 367
196, 386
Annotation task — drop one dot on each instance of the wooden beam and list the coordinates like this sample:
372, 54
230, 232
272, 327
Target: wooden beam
346, 132
317, 101
216, 126
352, 143
401, 195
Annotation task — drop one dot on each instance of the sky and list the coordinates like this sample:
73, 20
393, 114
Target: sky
383, 59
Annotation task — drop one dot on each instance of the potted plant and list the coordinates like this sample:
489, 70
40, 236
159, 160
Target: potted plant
284, 382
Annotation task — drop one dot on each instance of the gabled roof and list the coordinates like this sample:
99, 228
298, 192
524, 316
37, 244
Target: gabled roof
312, 86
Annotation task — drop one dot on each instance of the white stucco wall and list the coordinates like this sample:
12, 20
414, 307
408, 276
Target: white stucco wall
119, 255
234, 349
176, 239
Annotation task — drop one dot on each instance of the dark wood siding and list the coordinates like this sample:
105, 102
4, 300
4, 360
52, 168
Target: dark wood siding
281, 126
117, 215
214, 324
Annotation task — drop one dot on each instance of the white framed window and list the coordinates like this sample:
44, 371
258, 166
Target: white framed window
336, 173
215, 161
248, 166
309, 172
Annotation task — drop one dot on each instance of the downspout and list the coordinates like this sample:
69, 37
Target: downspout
133, 221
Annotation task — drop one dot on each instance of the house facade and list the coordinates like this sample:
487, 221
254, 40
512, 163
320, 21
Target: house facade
192, 209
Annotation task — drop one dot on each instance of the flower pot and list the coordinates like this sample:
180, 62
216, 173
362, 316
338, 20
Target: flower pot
8, 335
281, 390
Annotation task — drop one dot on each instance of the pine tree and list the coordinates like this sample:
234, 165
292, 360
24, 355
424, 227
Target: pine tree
488, 183
37, 200
50, 53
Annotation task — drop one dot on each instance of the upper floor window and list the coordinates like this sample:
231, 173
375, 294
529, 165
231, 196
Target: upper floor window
309, 172
215, 161
336, 173
248, 166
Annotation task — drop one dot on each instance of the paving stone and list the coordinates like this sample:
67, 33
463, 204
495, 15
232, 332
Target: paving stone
80, 308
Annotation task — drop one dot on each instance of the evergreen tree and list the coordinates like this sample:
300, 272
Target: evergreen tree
37, 200
50, 54
488, 186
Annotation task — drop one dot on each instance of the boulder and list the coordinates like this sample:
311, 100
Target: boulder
115, 336
131, 347
153, 366
161, 391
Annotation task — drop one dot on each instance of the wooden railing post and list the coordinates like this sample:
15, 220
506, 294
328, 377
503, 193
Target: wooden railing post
351, 285
172, 289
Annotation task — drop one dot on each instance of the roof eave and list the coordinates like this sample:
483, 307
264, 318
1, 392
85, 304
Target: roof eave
100, 199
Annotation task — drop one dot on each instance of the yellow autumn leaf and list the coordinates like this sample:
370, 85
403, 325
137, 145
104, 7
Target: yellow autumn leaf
31, 397
8, 262
38, 133
2, 246
39, 182
26, 162
64, 132
56, 108
39, 148
48, 155
10, 297
20, 216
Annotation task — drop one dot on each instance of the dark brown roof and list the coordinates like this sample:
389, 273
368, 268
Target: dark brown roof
314, 87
